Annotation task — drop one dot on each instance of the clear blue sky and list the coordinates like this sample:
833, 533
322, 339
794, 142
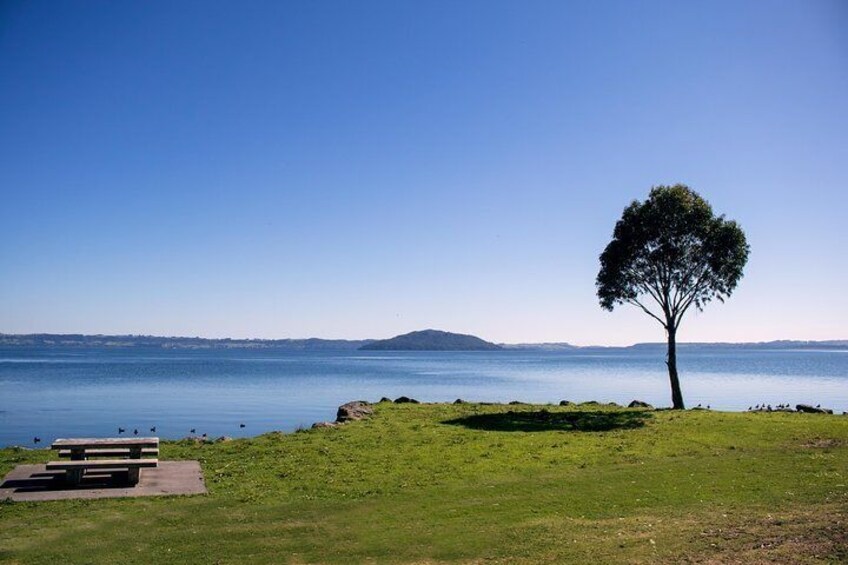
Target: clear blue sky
362, 169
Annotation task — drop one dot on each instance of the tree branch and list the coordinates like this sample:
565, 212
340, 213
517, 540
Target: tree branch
648, 312
687, 298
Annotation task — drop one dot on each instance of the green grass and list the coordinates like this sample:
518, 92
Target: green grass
473, 483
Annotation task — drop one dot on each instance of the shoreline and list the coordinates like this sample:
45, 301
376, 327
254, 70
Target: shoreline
635, 405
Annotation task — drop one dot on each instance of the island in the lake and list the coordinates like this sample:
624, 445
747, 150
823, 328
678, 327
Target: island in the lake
431, 340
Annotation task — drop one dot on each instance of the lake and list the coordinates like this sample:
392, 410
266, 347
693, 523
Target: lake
62, 392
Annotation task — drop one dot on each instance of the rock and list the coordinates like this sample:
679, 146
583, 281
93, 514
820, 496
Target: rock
356, 410
565, 403
222, 439
324, 425
405, 400
515, 402
385, 399
590, 403
459, 401
614, 404
812, 409
639, 404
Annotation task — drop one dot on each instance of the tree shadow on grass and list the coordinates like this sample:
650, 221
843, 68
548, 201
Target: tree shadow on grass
543, 421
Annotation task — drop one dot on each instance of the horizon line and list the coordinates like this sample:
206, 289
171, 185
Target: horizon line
521, 343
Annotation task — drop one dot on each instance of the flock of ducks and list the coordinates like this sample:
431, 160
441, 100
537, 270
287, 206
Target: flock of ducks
193, 431
768, 408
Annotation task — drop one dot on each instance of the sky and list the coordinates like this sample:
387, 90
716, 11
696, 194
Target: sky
363, 169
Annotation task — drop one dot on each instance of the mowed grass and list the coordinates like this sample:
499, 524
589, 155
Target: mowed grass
472, 483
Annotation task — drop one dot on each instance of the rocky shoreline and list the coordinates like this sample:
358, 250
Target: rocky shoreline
361, 409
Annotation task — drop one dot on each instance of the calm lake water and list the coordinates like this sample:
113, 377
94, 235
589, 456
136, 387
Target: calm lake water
53, 393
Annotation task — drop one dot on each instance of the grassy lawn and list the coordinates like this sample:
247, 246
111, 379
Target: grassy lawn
472, 483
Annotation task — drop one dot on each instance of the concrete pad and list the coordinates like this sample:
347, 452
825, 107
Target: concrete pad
35, 482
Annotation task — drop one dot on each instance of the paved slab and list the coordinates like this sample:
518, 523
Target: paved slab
35, 482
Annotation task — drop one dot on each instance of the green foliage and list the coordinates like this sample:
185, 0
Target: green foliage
472, 483
675, 251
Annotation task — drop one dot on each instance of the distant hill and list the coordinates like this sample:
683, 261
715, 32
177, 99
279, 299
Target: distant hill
148, 341
431, 340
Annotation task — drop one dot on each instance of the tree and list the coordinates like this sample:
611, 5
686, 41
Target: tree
667, 254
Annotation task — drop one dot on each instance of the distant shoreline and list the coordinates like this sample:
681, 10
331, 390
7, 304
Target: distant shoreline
318, 344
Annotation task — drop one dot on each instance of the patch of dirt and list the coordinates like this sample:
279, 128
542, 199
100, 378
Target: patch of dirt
823, 443
803, 537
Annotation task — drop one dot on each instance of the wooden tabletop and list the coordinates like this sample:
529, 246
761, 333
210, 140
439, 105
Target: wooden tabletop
94, 442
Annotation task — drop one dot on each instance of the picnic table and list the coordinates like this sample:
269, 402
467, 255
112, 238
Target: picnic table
105, 454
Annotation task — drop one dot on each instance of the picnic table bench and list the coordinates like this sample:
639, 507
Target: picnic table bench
88, 454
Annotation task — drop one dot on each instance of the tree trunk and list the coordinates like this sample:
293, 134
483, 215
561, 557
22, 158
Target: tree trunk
676, 394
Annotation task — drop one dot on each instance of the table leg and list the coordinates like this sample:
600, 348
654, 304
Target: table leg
73, 476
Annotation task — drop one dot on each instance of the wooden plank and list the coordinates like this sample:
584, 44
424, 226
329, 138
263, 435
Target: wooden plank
103, 464
120, 452
94, 443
